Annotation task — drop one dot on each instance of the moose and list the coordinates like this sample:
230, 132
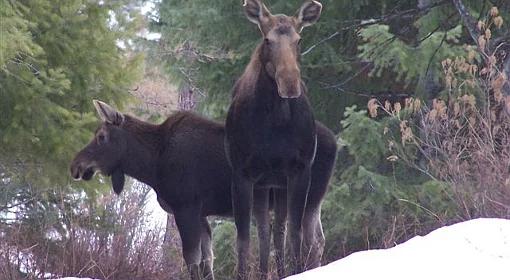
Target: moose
183, 159
270, 127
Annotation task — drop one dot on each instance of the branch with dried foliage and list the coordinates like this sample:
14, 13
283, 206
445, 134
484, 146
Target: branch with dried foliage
464, 141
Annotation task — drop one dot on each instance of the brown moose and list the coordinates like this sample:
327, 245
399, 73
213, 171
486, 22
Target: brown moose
183, 160
270, 127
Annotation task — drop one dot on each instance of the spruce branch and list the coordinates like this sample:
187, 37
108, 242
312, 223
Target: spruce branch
359, 23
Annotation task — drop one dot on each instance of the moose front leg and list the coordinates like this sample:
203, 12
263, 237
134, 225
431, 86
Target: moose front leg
297, 188
188, 224
279, 229
206, 266
261, 213
242, 199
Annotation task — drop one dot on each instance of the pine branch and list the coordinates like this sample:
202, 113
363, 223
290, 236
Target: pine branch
359, 23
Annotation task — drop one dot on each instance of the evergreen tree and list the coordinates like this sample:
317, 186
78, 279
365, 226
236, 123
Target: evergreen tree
56, 57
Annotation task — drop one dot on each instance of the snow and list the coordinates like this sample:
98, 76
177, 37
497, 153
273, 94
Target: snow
73, 278
150, 10
156, 215
475, 249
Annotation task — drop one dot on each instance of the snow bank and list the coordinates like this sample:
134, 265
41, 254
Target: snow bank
73, 278
476, 249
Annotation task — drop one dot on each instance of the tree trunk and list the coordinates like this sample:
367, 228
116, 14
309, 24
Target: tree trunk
167, 241
186, 98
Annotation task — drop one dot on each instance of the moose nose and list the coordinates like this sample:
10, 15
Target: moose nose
75, 171
289, 83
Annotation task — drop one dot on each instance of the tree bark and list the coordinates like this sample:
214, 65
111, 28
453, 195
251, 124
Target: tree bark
167, 240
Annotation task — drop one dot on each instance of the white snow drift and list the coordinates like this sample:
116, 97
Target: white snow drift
73, 278
476, 249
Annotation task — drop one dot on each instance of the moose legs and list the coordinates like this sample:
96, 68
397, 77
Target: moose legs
313, 243
279, 229
196, 243
261, 213
189, 226
313, 235
298, 184
206, 266
242, 199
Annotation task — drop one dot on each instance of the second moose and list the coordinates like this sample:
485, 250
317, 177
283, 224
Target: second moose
270, 127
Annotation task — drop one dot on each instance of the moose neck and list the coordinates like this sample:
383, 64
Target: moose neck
144, 143
266, 90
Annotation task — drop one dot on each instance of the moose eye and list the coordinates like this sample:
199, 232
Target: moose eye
101, 139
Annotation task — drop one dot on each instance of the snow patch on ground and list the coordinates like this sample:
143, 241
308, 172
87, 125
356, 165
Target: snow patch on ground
475, 249
73, 278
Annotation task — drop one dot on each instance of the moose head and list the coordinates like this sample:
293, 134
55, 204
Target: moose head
105, 151
280, 51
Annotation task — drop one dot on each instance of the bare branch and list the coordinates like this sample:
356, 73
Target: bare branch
469, 21
435, 52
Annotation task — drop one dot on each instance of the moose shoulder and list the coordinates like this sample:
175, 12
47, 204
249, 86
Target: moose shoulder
183, 160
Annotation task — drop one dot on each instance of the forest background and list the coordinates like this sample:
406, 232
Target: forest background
417, 92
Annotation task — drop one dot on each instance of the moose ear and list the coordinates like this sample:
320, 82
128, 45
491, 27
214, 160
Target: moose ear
256, 11
308, 14
107, 113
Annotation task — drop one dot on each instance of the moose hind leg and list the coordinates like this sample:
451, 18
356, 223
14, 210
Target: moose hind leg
206, 266
261, 213
313, 239
188, 224
320, 239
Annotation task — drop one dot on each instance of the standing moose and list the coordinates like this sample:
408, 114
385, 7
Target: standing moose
270, 127
183, 160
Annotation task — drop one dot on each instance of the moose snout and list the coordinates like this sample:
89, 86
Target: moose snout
75, 172
82, 171
289, 84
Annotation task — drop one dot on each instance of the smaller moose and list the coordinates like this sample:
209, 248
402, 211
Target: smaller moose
183, 160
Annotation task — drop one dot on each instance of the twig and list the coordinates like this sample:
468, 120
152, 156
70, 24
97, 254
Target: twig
350, 78
435, 52
423, 208
17, 204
